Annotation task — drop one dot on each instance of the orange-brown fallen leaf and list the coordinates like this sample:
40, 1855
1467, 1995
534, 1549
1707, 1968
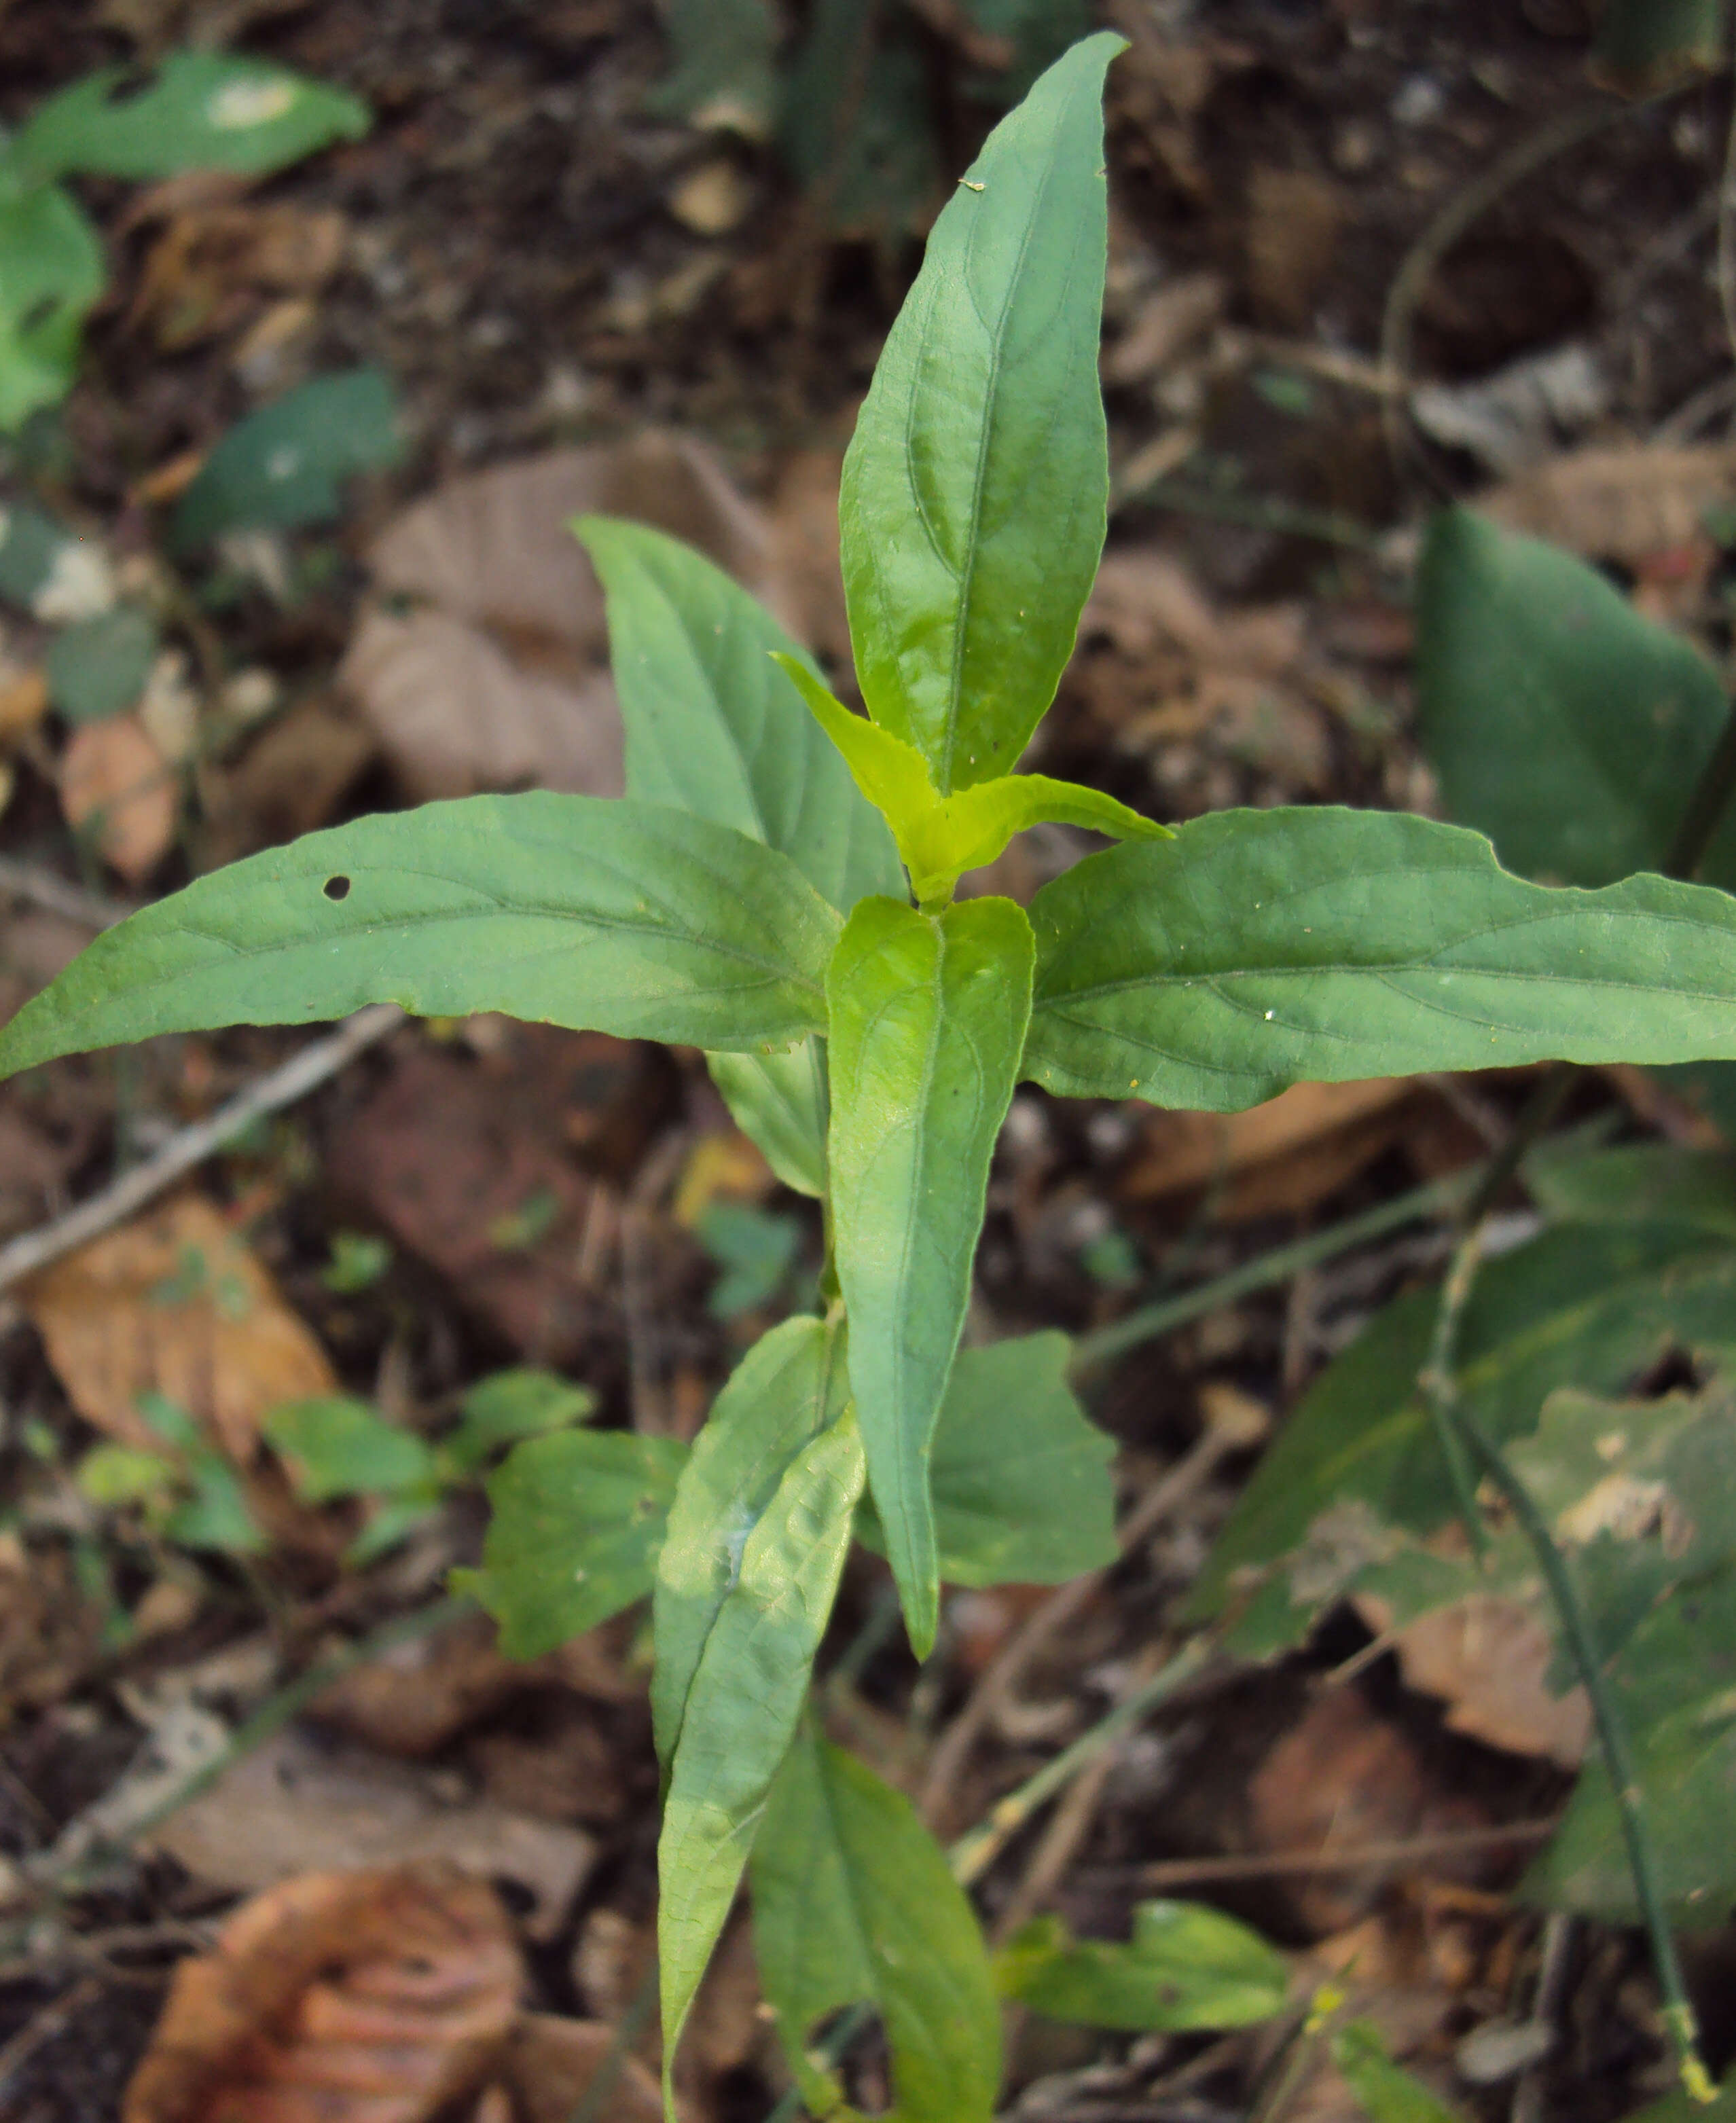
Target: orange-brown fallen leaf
372, 1997
550, 2065
116, 786
175, 1303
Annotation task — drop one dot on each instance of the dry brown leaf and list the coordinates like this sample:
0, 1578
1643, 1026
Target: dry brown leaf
1623, 503
205, 270
1166, 323
501, 680
291, 779
175, 1303
50, 1633
24, 699
365, 1997
549, 2063
1182, 1151
1489, 1660
117, 789
296, 1804
1292, 235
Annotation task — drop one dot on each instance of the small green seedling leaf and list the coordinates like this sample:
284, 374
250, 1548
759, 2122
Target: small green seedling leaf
853, 1904
928, 1020
1561, 723
114, 1476
723, 78
1259, 949
939, 837
213, 1513
566, 910
508, 1407
576, 1520
1386, 2091
358, 1259
284, 466
204, 110
334, 1447
97, 667
975, 491
1021, 1480
748, 1682
1645, 45
52, 271
1187, 1967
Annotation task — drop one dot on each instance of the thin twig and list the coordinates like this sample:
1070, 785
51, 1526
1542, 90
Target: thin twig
1168, 1873
56, 895
304, 1072
43, 2026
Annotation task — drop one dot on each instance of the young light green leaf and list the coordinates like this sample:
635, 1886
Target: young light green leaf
205, 110
928, 1018
750, 1677
1583, 1305
1386, 2091
284, 466
52, 271
790, 1387
723, 78
1654, 1183
616, 916
939, 837
1562, 724
781, 1101
508, 1407
577, 1518
1186, 1967
1021, 1480
976, 487
97, 667
712, 725
853, 1904
334, 1447
1259, 950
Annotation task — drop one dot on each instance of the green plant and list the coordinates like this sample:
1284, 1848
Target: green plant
749, 896
204, 110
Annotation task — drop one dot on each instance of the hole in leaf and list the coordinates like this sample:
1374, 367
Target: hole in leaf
337, 888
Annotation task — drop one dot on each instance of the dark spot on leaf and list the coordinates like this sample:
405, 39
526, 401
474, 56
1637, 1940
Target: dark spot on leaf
337, 888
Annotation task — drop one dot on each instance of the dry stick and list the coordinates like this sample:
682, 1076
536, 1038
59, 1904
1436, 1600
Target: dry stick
55, 895
303, 1073
1168, 1873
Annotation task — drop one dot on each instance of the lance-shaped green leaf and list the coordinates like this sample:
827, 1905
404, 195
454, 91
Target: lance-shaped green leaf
745, 1696
713, 726
1357, 1461
619, 917
790, 1386
1259, 949
976, 487
1675, 1686
782, 1101
939, 837
928, 1018
205, 110
51, 275
853, 1904
1562, 723
576, 1520
1652, 1183
1020, 1479
1185, 1967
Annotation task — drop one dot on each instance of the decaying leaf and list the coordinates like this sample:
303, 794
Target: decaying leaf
1619, 503
49, 1631
550, 2063
175, 1303
365, 1997
117, 788
1283, 1154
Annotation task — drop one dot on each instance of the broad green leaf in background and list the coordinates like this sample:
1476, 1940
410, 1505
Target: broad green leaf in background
38, 554
334, 1447
724, 77
939, 837
713, 727
283, 466
1643, 45
52, 272
1675, 1686
1585, 1307
204, 110
853, 1904
781, 1101
1036, 30
857, 125
1561, 723
97, 667
754, 1249
613, 916
790, 1387
1388, 2093
508, 1406
1186, 1967
1021, 1480
928, 1016
1259, 949
1656, 1182
575, 1521
750, 1677
976, 487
